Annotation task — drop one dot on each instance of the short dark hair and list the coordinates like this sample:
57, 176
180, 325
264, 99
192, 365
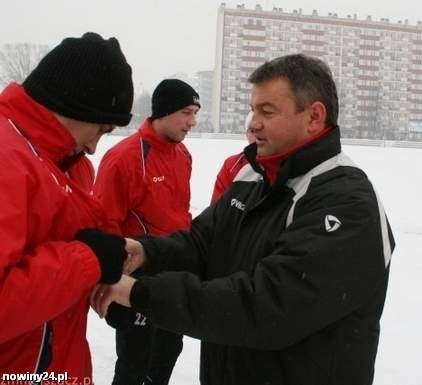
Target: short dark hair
310, 80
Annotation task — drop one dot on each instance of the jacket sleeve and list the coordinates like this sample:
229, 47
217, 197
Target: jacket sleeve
181, 250
113, 188
311, 279
38, 280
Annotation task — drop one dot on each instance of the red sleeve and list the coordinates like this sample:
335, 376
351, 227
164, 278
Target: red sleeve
222, 181
113, 188
227, 173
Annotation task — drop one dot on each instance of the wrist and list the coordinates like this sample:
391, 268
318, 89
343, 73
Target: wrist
109, 250
139, 296
150, 264
136, 256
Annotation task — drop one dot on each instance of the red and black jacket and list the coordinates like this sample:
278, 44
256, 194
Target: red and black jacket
283, 282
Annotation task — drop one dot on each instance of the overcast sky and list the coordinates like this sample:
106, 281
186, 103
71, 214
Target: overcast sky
163, 37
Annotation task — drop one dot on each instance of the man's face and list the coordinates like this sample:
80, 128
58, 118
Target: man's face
250, 136
86, 135
174, 127
275, 123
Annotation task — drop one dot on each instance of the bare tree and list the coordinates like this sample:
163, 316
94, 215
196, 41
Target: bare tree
18, 59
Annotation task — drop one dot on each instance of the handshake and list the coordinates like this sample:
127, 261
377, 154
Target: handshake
116, 255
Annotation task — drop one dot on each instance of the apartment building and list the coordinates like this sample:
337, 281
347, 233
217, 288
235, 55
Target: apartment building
205, 84
377, 66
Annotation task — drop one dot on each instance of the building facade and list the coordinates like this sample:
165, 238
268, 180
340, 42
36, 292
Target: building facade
205, 84
377, 66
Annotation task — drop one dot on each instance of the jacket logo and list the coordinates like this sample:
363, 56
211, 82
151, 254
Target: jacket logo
238, 204
331, 223
157, 179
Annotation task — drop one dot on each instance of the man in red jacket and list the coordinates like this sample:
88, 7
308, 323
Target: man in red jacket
232, 164
79, 91
143, 182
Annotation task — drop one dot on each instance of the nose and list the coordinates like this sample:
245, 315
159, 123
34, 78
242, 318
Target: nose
192, 121
91, 146
255, 124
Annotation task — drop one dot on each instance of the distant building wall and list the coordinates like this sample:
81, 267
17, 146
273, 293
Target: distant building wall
377, 66
205, 83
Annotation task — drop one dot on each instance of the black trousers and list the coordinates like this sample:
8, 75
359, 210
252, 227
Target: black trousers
145, 355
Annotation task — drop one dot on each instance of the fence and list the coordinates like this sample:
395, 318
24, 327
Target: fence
345, 141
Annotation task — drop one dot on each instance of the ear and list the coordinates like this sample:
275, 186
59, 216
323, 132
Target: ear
317, 117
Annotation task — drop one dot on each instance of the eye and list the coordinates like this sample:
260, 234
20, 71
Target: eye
267, 113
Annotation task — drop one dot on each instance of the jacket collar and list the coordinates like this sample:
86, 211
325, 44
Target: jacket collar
148, 133
36, 123
317, 152
301, 161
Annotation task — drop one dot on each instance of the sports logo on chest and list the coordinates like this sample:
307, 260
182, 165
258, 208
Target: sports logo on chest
158, 179
238, 204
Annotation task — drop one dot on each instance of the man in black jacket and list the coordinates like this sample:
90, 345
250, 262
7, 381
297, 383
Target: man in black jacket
284, 278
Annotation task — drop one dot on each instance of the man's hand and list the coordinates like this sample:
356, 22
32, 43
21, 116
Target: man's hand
136, 256
103, 295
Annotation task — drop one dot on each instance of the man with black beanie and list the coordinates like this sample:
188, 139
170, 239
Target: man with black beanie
144, 181
53, 251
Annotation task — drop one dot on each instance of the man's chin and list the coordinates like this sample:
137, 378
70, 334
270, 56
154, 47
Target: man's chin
77, 152
178, 139
261, 150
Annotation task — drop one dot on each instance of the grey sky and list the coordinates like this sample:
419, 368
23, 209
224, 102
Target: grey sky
162, 37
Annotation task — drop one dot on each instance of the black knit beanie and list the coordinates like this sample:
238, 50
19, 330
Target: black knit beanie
85, 78
172, 95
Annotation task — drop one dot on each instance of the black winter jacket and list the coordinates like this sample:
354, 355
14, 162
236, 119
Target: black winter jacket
284, 285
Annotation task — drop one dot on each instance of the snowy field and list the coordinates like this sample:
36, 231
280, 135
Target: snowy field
397, 177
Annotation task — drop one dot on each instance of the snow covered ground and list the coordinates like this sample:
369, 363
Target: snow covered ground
397, 176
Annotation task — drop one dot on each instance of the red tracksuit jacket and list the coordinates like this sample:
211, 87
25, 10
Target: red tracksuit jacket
143, 182
45, 277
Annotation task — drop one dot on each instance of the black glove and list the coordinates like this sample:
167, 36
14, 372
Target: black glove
110, 251
122, 317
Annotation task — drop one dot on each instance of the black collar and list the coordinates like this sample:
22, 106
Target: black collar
303, 160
